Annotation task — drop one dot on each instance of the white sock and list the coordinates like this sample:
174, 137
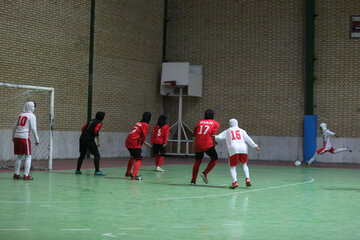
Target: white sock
27, 165
311, 160
18, 164
341, 150
246, 170
233, 173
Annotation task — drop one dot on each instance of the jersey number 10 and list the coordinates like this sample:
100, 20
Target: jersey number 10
22, 121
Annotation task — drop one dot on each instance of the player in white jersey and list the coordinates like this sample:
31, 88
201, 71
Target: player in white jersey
25, 123
236, 142
327, 145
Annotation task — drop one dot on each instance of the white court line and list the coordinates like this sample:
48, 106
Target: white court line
74, 229
178, 198
20, 229
233, 193
131, 228
181, 227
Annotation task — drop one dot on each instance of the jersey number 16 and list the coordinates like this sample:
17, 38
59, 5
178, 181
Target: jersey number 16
236, 135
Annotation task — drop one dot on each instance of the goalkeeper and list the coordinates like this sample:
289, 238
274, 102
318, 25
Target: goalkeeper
90, 131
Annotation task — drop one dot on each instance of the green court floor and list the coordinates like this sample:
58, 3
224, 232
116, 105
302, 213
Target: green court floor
283, 203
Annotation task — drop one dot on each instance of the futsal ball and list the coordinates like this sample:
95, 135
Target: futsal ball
297, 163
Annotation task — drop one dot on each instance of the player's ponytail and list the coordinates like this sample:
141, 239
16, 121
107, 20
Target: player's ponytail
161, 121
209, 114
100, 116
146, 117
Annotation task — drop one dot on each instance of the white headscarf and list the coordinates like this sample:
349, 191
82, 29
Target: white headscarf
29, 107
233, 123
323, 126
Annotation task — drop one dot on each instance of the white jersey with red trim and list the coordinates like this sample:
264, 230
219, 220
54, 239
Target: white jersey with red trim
236, 139
327, 134
25, 123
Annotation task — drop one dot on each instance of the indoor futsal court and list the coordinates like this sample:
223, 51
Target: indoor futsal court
285, 202
179, 119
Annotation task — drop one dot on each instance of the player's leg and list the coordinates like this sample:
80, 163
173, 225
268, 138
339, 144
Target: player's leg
130, 162
137, 154
197, 163
233, 161
95, 151
214, 159
156, 153
20, 150
27, 166
317, 153
82, 150
17, 166
243, 159
160, 159
344, 149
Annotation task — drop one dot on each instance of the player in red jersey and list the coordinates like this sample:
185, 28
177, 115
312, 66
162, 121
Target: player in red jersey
158, 142
134, 141
204, 142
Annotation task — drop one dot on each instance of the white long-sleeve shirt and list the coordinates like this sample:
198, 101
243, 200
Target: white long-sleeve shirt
25, 123
327, 134
236, 140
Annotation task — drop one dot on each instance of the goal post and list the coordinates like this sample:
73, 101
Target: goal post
12, 100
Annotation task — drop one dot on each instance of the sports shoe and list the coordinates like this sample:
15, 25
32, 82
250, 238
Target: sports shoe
192, 182
248, 182
159, 169
349, 149
78, 172
127, 174
234, 185
204, 177
98, 173
27, 177
136, 178
16, 176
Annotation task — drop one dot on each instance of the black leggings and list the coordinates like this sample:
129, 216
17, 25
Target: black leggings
86, 144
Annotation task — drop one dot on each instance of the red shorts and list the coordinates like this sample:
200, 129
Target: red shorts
321, 150
235, 158
22, 146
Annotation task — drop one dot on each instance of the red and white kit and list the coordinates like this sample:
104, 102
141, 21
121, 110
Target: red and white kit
160, 134
236, 143
137, 135
203, 133
25, 123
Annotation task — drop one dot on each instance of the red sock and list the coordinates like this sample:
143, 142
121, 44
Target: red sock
130, 165
156, 160
161, 159
136, 167
210, 166
196, 169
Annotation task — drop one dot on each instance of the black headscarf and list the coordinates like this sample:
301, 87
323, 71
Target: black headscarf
209, 114
146, 117
161, 121
100, 116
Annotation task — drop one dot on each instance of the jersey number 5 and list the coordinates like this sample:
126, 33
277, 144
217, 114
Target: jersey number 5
236, 135
22, 121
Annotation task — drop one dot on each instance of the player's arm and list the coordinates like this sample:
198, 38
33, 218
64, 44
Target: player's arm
221, 136
14, 128
249, 141
33, 127
97, 130
166, 135
145, 130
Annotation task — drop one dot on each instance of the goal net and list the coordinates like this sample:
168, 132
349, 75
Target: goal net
12, 100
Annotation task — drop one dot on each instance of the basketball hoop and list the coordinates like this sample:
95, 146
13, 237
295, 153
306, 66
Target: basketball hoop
169, 84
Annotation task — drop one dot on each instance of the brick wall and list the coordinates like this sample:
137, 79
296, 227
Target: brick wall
253, 61
127, 61
337, 72
45, 43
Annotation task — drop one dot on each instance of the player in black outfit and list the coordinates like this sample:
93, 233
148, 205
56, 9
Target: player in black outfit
87, 142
